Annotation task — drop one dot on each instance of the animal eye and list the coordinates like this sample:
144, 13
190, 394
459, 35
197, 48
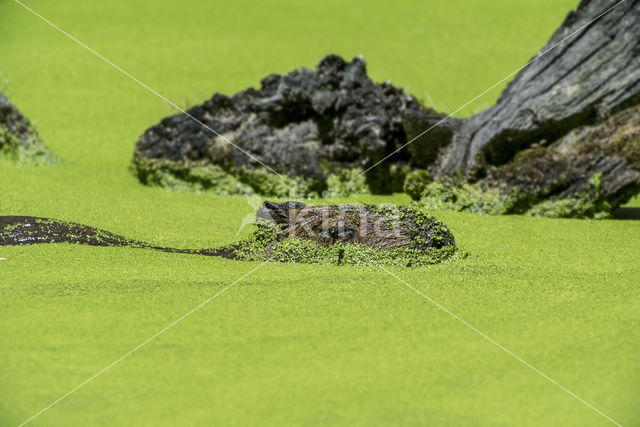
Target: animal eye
326, 234
338, 232
348, 232
342, 233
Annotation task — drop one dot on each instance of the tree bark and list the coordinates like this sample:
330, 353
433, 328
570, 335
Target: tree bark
576, 79
562, 140
586, 74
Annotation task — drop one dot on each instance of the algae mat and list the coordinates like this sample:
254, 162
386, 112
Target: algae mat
289, 344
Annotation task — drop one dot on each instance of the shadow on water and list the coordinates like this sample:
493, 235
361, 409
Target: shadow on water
627, 213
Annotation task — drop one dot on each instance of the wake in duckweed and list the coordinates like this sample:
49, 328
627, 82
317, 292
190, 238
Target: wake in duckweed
28, 230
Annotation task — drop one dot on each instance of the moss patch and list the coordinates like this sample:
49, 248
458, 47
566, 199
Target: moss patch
25, 150
200, 176
587, 204
445, 193
207, 177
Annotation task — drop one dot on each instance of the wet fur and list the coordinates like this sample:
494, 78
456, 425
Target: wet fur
386, 228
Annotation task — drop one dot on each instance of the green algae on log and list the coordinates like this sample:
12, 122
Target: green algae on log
203, 176
18, 139
318, 130
588, 71
561, 141
286, 232
585, 174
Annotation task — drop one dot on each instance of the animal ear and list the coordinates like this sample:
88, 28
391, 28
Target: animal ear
291, 205
273, 213
277, 213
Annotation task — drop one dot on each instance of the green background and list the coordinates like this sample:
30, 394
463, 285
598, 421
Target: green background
289, 344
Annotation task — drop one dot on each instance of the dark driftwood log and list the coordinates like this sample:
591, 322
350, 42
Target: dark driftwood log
306, 124
584, 76
18, 139
581, 81
564, 131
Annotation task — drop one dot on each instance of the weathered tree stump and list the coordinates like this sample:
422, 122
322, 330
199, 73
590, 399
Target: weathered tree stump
564, 128
18, 139
318, 129
562, 140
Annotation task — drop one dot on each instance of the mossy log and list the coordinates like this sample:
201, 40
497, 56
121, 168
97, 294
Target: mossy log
317, 129
568, 119
562, 139
18, 139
